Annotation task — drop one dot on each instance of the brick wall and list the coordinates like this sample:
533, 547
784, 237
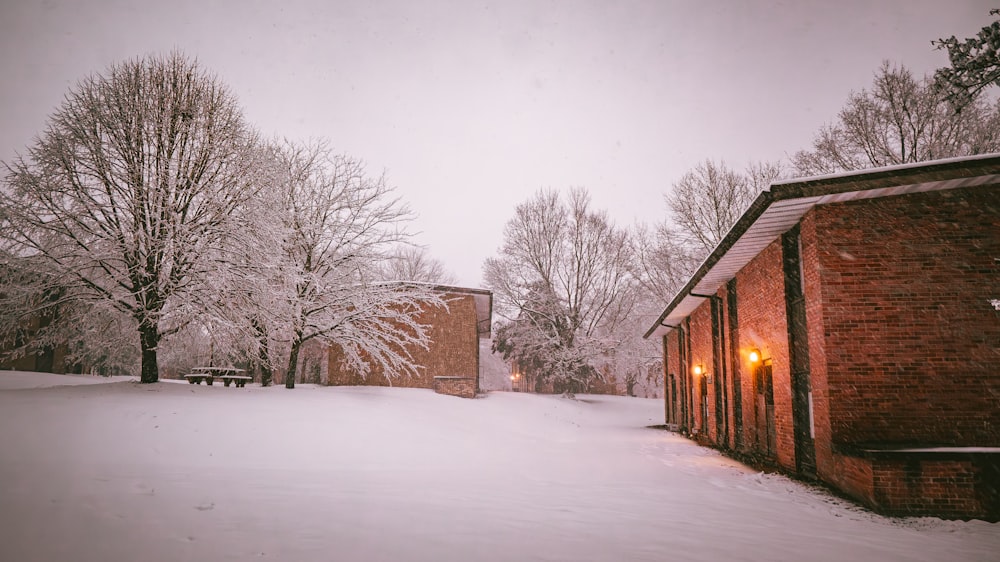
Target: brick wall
762, 324
921, 486
827, 467
453, 350
463, 387
700, 329
673, 370
911, 341
853, 476
949, 485
953, 485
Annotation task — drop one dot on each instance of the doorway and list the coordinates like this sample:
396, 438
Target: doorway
763, 381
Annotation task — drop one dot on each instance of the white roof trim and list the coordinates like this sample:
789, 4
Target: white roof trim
781, 215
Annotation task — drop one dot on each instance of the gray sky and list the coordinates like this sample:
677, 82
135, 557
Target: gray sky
471, 107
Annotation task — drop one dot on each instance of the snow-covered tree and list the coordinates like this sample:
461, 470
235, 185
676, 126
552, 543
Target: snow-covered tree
339, 226
975, 64
244, 318
130, 195
637, 362
563, 285
899, 121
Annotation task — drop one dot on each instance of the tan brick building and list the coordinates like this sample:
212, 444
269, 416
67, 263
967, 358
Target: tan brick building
451, 361
847, 329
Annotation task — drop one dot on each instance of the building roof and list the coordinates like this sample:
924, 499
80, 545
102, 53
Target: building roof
483, 300
780, 207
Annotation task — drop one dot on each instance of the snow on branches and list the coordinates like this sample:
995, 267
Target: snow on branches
563, 283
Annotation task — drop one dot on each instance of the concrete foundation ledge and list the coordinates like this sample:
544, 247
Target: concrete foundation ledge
463, 387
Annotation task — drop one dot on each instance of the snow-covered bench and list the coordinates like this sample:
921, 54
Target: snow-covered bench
240, 380
227, 374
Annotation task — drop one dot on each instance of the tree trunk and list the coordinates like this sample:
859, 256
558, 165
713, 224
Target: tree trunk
265, 368
149, 338
293, 362
263, 354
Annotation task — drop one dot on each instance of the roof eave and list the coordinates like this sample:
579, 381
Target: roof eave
983, 168
757, 208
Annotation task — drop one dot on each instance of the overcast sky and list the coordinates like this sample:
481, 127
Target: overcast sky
471, 107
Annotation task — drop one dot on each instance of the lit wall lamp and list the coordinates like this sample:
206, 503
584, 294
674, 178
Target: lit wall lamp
754, 356
699, 370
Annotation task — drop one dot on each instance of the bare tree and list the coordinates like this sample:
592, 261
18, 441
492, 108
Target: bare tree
563, 283
339, 225
663, 262
899, 121
411, 263
129, 195
707, 201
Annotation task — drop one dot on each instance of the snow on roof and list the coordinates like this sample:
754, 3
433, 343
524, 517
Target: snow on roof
884, 169
781, 207
958, 450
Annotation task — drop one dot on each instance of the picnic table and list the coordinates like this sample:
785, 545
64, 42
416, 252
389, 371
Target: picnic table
227, 374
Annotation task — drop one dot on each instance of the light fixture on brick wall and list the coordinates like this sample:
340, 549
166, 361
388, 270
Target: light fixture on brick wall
698, 370
754, 355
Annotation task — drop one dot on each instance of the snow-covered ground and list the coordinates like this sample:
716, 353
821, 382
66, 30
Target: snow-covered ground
170, 472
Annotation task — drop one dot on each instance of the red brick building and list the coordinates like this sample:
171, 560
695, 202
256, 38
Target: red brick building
847, 329
46, 359
50, 359
450, 364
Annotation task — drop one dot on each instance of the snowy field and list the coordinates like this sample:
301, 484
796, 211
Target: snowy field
170, 472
